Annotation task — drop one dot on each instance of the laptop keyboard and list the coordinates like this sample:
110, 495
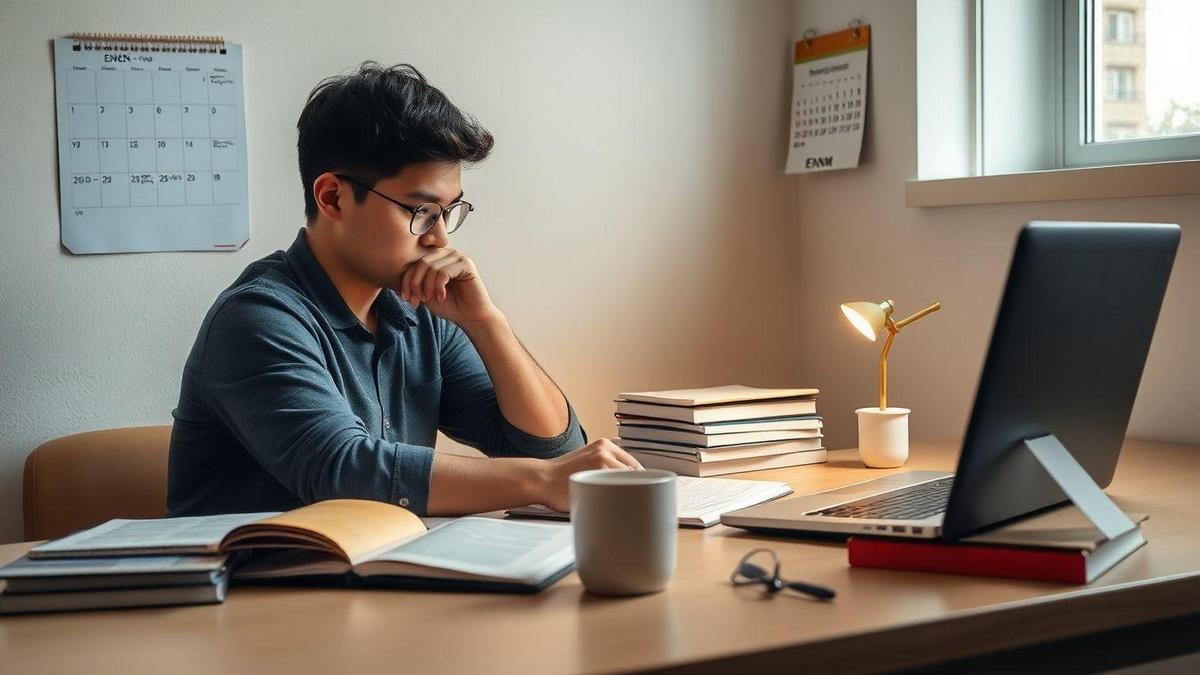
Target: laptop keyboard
910, 503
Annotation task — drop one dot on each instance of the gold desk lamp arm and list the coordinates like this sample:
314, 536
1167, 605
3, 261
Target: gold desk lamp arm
894, 327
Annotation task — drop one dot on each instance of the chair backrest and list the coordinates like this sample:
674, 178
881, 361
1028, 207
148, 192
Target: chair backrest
82, 480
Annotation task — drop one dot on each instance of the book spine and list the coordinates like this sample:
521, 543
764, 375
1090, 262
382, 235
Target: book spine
986, 561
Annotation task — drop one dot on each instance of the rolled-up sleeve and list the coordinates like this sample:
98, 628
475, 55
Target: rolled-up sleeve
470, 414
269, 383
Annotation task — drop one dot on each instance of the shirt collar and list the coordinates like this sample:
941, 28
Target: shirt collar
321, 290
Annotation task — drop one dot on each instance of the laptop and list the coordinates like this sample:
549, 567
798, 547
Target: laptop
1066, 357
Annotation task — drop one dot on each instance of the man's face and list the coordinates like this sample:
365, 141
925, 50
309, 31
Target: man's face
373, 237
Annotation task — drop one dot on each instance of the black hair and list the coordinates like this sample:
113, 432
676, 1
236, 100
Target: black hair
375, 121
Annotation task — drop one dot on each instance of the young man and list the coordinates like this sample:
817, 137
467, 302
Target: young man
325, 371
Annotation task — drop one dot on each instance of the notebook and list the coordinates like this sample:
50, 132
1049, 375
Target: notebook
724, 452
700, 501
26, 575
686, 465
157, 596
638, 432
730, 393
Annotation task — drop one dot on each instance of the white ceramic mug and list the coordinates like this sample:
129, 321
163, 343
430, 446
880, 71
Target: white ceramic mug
625, 529
883, 436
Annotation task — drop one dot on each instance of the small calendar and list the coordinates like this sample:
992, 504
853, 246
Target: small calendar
151, 144
829, 100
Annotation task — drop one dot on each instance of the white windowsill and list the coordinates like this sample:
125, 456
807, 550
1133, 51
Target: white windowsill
1101, 182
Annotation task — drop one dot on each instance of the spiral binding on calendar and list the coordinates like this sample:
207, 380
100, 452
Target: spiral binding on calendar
144, 42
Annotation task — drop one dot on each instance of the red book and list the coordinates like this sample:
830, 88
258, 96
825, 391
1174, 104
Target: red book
1047, 547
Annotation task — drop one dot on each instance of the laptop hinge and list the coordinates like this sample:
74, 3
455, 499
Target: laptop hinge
1079, 486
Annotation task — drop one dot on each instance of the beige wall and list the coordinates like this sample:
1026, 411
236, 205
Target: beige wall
628, 221
855, 239
634, 221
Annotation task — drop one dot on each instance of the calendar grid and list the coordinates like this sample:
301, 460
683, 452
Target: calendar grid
829, 98
151, 141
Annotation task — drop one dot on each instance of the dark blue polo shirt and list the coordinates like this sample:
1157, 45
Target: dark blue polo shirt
288, 399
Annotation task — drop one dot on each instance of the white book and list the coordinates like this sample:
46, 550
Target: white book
722, 454
730, 393
801, 423
700, 501
688, 467
24, 575
721, 412
637, 432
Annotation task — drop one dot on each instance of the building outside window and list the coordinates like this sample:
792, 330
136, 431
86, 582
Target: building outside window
1119, 26
1119, 84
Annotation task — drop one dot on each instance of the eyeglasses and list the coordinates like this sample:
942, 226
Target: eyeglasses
426, 215
750, 572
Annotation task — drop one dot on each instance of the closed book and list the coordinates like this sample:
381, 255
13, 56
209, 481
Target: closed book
721, 412
786, 423
25, 575
722, 454
196, 594
688, 467
1057, 546
730, 393
638, 432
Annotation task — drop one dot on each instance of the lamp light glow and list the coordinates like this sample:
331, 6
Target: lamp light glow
871, 319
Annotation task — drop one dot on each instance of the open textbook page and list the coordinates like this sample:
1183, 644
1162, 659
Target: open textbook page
701, 501
120, 536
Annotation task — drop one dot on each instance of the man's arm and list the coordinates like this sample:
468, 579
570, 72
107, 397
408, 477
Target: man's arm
528, 398
535, 418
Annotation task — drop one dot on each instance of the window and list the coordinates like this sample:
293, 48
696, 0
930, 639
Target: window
1118, 84
1011, 86
1146, 106
1119, 26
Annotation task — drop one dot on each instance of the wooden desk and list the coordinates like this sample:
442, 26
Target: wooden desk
880, 619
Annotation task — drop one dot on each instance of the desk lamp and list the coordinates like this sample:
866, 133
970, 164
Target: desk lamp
882, 431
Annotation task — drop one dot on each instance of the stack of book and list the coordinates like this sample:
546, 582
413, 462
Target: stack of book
1058, 545
720, 430
341, 542
50, 585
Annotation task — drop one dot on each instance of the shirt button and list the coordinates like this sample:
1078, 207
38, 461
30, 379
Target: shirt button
387, 423
404, 501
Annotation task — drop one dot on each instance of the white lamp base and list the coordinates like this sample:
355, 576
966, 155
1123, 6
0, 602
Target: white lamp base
883, 436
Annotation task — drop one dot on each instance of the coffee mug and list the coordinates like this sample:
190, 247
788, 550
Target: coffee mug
625, 526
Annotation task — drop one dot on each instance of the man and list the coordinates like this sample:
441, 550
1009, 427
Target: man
325, 371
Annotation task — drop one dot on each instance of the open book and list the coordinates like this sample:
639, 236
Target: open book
360, 542
699, 501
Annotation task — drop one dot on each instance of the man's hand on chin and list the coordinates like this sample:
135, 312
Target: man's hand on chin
449, 284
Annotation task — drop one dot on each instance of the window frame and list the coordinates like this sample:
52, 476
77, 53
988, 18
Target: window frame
1079, 147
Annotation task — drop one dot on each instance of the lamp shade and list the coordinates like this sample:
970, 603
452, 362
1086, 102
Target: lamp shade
868, 317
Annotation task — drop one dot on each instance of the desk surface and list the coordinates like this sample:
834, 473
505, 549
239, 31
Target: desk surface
881, 619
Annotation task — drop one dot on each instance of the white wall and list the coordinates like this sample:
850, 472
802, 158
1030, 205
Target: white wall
855, 239
628, 221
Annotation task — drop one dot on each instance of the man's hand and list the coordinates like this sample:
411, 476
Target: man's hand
553, 487
448, 283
